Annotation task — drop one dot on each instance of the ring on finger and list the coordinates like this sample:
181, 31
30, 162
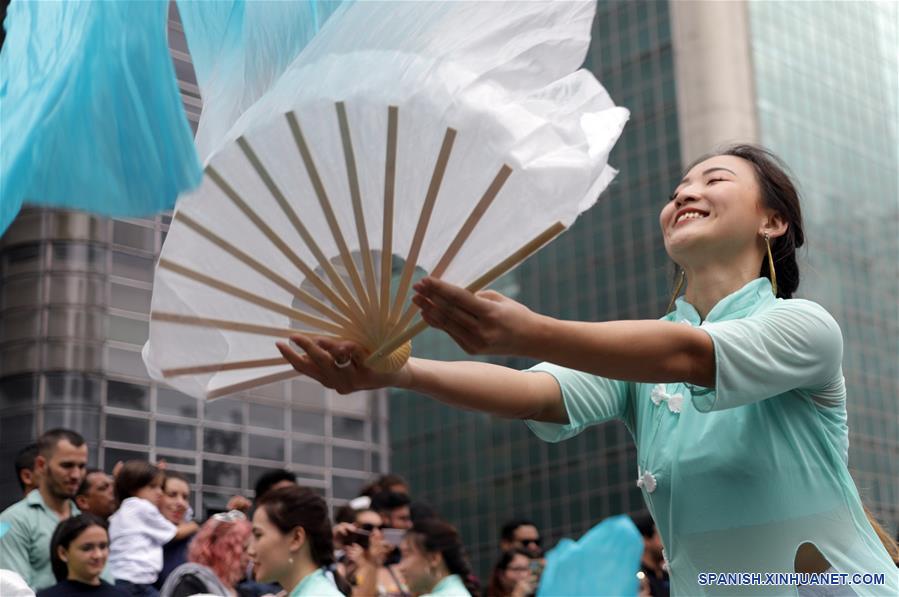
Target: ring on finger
343, 364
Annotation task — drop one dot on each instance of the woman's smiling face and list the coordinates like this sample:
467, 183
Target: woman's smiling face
714, 213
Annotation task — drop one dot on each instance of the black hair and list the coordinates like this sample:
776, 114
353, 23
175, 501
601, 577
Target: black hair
85, 486
421, 511
270, 478
25, 462
507, 533
67, 531
134, 475
46, 443
167, 474
382, 483
290, 507
436, 536
644, 523
495, 587
388, 501
779, 193
347, 513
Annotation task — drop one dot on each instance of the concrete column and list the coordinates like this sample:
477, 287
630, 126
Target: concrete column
716, 100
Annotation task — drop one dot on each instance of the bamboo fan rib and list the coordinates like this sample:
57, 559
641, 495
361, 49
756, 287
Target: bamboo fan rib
426, 147
365, 304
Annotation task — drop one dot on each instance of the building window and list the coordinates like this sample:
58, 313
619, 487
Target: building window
127, 395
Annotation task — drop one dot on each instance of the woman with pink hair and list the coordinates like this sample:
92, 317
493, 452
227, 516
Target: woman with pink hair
216, 557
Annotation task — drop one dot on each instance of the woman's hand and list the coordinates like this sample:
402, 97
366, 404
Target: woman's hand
322, 357
525, 587
481, 323
378, 549
239, 502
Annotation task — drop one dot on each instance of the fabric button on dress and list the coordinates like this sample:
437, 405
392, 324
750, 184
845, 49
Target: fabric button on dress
647, 481
675, 402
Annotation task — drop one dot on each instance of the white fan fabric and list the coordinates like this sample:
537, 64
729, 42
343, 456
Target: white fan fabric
504, 75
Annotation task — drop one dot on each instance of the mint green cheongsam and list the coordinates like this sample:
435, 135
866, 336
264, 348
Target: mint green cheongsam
317, 584
739, 476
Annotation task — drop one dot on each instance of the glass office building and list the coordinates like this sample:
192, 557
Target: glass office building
827, 85
74, 301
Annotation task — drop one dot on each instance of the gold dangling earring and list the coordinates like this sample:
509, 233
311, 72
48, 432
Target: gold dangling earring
680, 284
772, 273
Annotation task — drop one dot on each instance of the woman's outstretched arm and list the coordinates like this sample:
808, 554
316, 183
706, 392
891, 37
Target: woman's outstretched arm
493, 389
489, 323
646, 351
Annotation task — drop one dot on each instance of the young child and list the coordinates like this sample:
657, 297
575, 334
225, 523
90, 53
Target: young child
137, 531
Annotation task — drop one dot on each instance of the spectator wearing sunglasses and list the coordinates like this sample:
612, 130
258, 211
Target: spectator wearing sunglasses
217, 559
366, 553
521, 533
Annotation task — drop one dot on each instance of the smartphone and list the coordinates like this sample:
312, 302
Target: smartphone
393, 536
360, 538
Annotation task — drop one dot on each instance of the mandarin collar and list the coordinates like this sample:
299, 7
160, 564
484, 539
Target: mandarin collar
736, 305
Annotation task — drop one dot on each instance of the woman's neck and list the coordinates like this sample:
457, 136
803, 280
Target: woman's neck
707, 285
303, 568
441, 573
88, 581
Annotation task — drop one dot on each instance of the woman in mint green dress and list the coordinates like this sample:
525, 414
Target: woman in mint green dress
292, 544
735, 399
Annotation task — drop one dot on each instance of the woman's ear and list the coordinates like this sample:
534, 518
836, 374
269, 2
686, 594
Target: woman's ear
774, 225
297, 539
435, 560
61, 553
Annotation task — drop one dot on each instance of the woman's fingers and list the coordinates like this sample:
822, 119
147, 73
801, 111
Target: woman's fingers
455, 295
299, 362
436, 309
313, 350
341, 350
454, 313
460, 336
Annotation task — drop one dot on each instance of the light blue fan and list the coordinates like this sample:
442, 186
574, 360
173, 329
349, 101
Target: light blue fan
604, 561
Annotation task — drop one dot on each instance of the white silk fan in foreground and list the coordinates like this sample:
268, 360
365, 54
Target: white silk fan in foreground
451, 139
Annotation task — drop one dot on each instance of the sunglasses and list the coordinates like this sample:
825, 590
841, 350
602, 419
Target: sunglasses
230, 516
527, 542
369, 527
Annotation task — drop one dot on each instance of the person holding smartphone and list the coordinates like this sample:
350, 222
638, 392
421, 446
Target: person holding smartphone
366, 552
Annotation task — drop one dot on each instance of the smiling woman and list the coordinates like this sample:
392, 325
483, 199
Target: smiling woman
78, 553
735, 399
292, 544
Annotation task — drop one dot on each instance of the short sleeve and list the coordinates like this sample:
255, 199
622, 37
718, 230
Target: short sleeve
14, 548
795, 345
589, 400
155, 525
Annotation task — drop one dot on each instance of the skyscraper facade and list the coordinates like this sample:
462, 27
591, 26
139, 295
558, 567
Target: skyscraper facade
826, 76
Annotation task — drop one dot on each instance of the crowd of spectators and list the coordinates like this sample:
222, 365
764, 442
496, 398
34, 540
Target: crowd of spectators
81, 531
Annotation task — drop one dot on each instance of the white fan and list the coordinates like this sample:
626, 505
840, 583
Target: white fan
448, 139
